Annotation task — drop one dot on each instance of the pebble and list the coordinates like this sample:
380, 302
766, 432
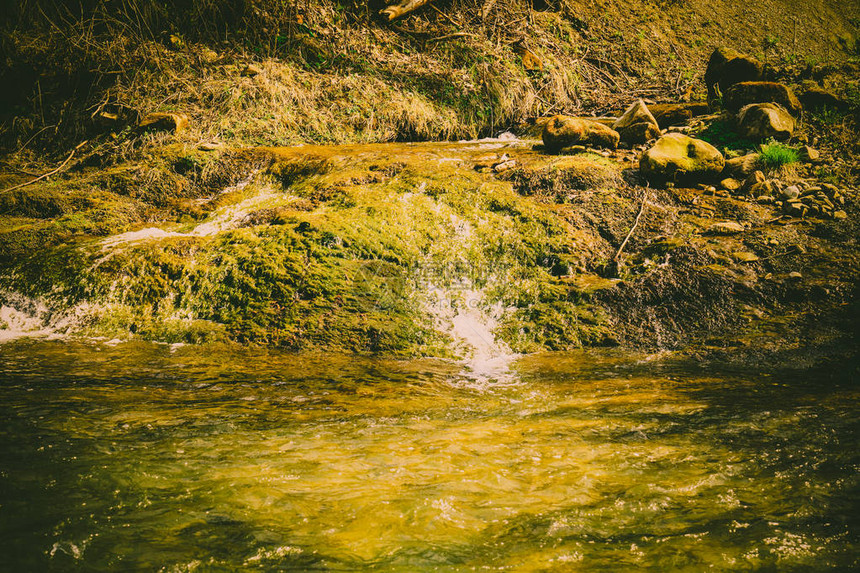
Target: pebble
791, 192
730, 184
809, 154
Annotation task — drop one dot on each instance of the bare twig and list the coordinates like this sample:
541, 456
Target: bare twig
450, 37
635, 224
444, 15
49, 173
399, 10
20, 149
599, 62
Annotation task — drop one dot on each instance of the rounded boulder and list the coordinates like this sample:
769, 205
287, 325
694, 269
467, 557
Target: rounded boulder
563, 131
678, 157
746, 93
765, 121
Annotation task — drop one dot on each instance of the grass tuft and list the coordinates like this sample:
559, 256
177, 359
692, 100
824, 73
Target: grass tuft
774, 155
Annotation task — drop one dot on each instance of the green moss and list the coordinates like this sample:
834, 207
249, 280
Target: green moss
346, 270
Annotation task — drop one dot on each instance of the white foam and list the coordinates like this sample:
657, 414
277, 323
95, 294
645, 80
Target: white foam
226, 219
22, 316
460, 309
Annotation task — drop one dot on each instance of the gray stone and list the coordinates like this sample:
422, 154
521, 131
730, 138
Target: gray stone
791, 192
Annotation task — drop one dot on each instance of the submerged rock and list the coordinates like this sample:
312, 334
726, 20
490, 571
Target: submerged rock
676, 157
637, 125
563, 131
764, 121
746, 93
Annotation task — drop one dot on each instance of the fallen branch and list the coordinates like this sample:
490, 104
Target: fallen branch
400, 10
49, 173
20, 149
450, 37
635, 224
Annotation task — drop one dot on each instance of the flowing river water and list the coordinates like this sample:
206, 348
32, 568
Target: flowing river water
139, 457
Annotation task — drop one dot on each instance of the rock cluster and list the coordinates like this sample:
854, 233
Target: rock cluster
726, 67
799, 199
637, 125
761, 110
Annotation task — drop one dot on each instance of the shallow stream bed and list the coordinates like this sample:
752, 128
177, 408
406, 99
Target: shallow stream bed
138, 457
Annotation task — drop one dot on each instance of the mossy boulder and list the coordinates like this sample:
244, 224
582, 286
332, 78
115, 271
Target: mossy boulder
563, 131
677, 157
746, 93
760, 121
727, 67
637, 125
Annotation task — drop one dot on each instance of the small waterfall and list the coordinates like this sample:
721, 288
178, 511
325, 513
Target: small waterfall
464, 316
22, 316
226, 219
460, 309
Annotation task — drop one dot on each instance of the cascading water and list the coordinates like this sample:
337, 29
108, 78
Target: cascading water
460, 309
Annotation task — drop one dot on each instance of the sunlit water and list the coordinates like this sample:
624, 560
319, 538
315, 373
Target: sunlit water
151, 458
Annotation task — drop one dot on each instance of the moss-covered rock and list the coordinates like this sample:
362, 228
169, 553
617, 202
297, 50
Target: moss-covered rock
727, 67
562, 131
677, 157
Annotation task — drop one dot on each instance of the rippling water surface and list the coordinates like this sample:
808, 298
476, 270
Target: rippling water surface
152, 458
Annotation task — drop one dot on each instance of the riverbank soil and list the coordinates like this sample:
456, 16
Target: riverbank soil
252, 172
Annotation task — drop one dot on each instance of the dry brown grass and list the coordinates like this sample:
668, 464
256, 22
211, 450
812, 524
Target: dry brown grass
332, 72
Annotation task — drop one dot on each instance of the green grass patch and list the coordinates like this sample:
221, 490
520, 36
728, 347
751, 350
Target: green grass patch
773, 155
